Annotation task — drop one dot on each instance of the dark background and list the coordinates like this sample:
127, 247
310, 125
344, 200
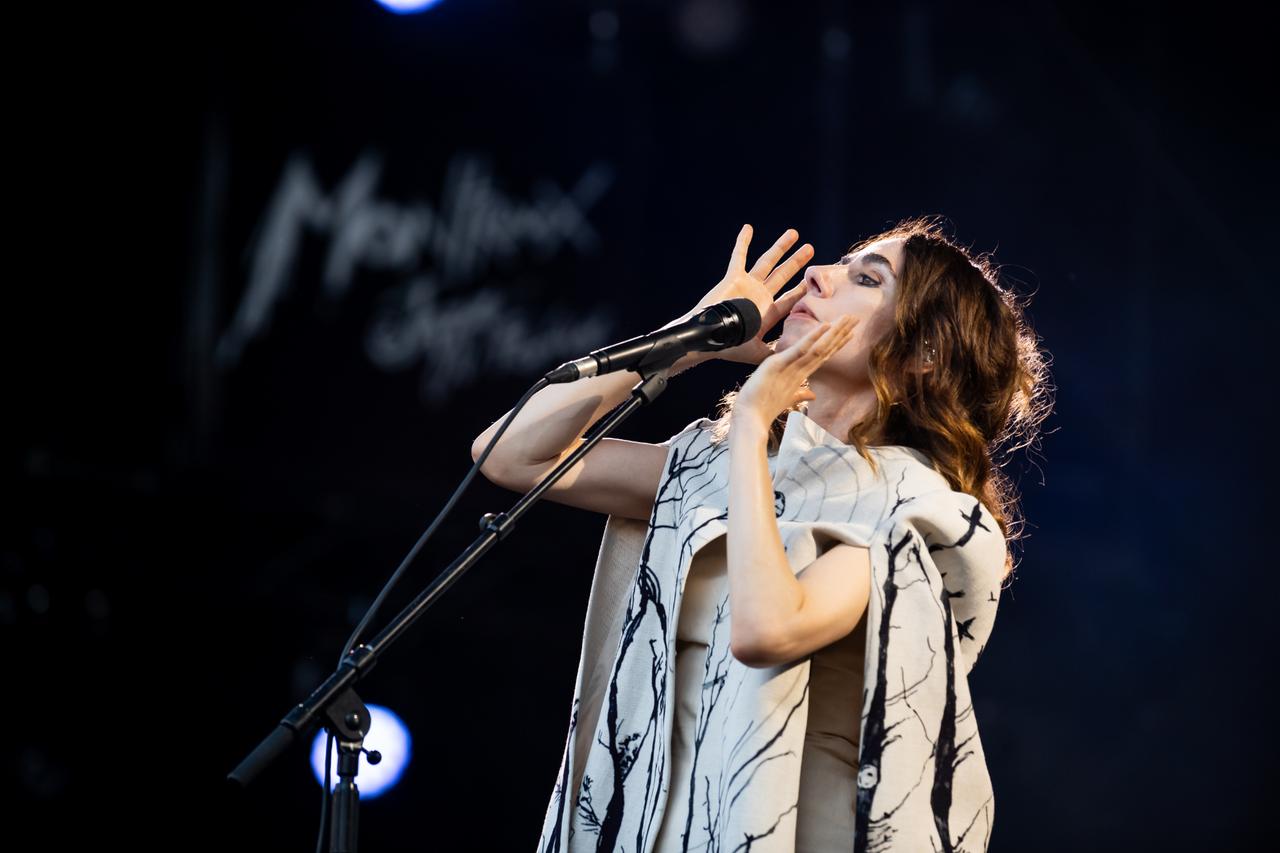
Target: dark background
199, 509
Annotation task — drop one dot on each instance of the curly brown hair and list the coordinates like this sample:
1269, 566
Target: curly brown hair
988, 392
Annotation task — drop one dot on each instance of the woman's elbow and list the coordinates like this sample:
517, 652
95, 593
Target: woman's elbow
756, 652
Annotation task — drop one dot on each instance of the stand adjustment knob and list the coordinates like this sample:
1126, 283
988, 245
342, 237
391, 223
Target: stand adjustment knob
495, 522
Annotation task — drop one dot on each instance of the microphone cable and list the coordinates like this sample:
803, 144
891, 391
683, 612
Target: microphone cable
372, 612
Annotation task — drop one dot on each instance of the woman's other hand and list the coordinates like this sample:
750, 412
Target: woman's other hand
761, 285
780, 380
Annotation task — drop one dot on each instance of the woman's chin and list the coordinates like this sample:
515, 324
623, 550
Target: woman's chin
792, 330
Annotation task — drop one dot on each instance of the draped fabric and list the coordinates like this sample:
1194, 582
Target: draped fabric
824, 815
937, 559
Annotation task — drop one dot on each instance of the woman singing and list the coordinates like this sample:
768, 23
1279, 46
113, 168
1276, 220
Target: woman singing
789, 598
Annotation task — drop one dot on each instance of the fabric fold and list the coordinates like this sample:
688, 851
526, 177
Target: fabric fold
937, 560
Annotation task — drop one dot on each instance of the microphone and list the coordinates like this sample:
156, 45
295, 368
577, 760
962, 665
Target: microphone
720, 326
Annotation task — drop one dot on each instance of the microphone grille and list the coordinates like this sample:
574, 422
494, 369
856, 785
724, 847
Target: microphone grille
748, 316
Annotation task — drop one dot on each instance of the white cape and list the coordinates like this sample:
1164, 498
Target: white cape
937, 559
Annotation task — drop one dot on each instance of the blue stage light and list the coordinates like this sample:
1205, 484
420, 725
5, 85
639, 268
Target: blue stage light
407, 7
387, 735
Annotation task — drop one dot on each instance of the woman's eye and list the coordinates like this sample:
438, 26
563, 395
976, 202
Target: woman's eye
872, 281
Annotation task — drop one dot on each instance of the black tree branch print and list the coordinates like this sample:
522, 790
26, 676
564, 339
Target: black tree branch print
875, 730
731, 783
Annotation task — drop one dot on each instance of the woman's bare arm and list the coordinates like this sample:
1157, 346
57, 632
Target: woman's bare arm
617, 477
622, 477
558, 414
777, 615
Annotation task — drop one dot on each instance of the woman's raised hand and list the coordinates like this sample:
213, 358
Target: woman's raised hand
782, 379
761, 285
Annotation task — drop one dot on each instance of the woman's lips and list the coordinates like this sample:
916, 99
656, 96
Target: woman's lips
800, 312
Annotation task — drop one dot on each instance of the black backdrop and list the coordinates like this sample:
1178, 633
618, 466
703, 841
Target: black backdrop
286, 260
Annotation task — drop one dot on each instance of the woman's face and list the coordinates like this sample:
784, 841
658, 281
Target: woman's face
861, 285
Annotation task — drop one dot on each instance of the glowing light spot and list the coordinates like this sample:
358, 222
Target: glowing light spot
407, 7
387, 735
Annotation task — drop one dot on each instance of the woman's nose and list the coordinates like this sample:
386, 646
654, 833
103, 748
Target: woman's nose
815, 281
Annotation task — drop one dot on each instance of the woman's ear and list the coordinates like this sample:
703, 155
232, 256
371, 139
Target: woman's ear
929, 356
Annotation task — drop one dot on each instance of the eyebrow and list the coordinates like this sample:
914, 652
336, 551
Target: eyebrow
873, 258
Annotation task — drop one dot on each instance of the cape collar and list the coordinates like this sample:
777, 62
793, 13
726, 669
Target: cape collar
803, 433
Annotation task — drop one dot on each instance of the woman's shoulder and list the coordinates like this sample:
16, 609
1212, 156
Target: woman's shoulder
957, 522
692, 429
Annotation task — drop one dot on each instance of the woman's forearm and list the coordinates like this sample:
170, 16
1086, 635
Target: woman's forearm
763, 591
558, 414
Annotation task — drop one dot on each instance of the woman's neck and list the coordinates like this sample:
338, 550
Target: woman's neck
838, 411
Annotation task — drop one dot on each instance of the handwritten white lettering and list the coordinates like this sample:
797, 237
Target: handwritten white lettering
476, 227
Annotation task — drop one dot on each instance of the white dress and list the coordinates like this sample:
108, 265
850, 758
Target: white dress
824, 820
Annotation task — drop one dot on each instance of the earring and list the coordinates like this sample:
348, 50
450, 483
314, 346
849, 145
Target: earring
930, 353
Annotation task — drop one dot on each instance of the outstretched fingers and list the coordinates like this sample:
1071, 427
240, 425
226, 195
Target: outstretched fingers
789, 268
766, 262
834, 338
820, 343
738, 258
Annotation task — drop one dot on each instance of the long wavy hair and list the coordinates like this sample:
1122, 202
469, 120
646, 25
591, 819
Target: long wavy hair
988, 391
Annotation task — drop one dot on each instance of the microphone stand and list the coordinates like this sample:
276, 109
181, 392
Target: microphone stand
335, 705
